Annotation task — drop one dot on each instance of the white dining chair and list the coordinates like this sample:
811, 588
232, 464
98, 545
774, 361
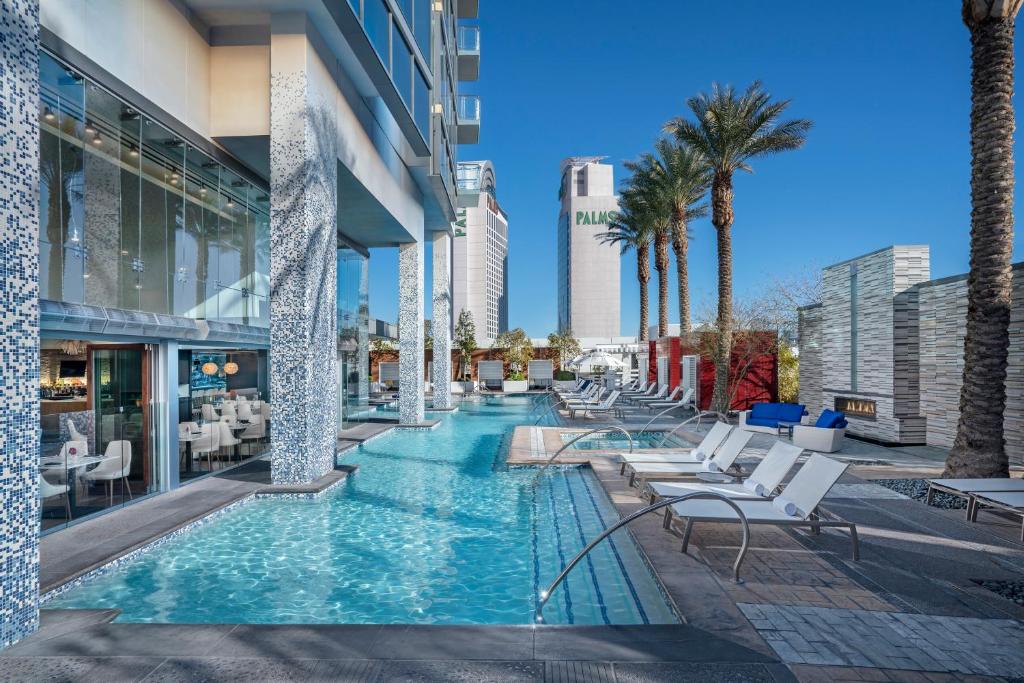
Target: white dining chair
48, 490
116, 464
207, 443
227, 439
208, 413
75, 434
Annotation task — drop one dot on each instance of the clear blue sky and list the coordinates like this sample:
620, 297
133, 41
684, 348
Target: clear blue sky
887, 85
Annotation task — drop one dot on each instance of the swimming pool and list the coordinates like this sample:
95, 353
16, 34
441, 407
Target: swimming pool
616, 441
431, 529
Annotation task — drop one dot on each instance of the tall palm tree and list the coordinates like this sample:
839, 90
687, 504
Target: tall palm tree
979, 449
630, 229
681, 177
644, 187
730, 130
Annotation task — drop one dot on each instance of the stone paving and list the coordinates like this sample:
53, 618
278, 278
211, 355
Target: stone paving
890, 640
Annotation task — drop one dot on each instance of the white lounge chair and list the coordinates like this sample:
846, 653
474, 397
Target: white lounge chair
964, 488
608, 404
760, 485
1006, 501
704, 450
686, 400
724, 458
662, 391
644, 388
797, 505
645, 400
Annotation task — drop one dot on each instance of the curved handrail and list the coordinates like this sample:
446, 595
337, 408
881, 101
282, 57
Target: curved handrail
667, 410
543, 467
697, 417
664, 502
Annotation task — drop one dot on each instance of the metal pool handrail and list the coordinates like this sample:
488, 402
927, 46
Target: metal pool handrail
546, 595
697, 417
667, 410
543, 467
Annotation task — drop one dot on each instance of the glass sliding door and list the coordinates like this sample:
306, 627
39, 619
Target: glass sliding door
120, 386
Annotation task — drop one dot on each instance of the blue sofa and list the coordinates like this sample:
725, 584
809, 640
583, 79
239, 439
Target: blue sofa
765, 417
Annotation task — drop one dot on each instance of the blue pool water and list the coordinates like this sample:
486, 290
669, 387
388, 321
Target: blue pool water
431, 529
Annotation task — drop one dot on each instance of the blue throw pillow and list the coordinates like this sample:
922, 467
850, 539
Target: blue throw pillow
827, 419
765, 411
831, 419
790, 412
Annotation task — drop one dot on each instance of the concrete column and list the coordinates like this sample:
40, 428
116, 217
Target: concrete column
19, 318
410, 332
441, 320
303, 257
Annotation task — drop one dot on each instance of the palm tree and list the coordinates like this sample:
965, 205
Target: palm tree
644, 187
681, 177
730, 130
979, 449
630, 229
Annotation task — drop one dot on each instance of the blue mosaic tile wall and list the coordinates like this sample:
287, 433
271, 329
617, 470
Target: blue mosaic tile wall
19, 325
303, 268
410, 333
441, 319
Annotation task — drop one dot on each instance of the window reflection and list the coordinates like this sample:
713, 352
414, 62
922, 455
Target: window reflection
132, 217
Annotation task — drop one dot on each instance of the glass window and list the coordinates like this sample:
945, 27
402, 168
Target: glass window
422, 27
401, 66
422, 104
61, 124
376, 21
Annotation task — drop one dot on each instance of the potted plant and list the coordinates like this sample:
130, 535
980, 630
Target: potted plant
517, 350
565, 380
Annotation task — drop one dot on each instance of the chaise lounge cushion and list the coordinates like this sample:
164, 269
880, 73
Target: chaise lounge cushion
764, 411
790, 412
762, 422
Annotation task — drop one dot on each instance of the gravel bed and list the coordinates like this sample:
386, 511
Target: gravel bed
918, 490
1011, 590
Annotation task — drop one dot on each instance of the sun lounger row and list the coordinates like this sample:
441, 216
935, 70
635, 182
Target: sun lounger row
758, 496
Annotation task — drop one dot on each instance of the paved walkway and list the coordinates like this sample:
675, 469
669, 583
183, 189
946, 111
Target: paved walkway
81, 645
910, 610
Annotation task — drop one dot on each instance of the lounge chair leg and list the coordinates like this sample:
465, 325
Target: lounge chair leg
856, 542
686, 534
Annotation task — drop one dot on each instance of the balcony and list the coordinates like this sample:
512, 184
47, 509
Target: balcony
469, 53
468, 120
468, 9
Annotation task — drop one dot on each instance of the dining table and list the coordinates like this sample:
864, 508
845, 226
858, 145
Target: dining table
74, 467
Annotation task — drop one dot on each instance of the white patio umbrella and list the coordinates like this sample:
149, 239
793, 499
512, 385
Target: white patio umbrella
594, 359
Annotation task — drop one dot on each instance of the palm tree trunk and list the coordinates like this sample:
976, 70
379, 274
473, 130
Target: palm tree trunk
979, 449
643, 275
680, 245
722, 218
661, 265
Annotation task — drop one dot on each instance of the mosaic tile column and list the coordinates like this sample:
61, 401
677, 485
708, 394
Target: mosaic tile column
303, 262
441, 320
19, 325
410, 333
